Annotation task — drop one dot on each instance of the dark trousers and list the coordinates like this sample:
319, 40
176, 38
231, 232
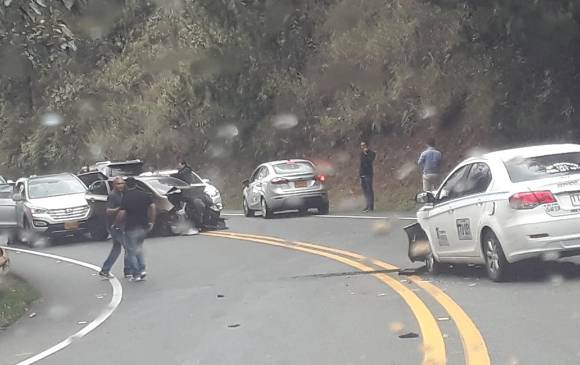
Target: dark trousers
366, 182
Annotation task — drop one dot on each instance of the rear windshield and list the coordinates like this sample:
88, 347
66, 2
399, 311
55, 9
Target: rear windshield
164, 184
287, 168
540, 167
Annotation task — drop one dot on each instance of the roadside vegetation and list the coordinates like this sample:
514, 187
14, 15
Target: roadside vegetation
226, 84
16, 295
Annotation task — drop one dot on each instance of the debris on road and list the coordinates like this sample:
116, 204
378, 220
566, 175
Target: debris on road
82, 322
409, 335
32, 315
220, 296
234, 325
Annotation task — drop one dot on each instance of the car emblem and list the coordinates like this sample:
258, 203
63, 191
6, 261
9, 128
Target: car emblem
68, 210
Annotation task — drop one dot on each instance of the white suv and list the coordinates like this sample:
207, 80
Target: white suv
54, 206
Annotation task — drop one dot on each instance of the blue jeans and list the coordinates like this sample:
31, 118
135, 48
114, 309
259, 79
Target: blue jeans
134, 242
118, 243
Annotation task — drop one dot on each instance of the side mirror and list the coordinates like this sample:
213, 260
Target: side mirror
425, 197
246, 183
17, 197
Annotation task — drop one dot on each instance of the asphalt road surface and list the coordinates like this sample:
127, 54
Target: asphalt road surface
291, 290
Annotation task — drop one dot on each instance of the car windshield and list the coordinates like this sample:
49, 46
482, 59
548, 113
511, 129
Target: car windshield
291, 168
6, 191
540, 167
163, 184
46, 187
132, 169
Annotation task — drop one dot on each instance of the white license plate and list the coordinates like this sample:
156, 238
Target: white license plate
575, 198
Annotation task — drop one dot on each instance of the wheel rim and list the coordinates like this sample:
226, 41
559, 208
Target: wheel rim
492, 255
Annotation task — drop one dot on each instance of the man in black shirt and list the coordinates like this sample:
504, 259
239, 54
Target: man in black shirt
138, 214
185, 173
367, 157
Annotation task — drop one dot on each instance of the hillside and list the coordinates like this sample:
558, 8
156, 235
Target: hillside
229, 83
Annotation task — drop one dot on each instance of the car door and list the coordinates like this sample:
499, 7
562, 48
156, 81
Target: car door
7, 207
97, 196
20, 189
469, 210
439, 218
256, 187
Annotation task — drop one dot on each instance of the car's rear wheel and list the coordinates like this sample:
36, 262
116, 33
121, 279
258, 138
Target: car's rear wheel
432, 265
266, 211
496, 264
247, 211
323, 209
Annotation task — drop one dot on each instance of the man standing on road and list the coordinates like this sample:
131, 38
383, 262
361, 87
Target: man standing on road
113, 206
367, 157
138, 213
430, 166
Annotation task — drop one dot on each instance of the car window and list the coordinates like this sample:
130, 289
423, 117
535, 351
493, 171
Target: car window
99, 188
162, 184
6, 191
255, 175
45, 187
478, 179
287, 168
455, 186
540, 167
263, 173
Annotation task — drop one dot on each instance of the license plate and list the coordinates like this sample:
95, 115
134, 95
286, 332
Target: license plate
575, 198
71, 225
300, 184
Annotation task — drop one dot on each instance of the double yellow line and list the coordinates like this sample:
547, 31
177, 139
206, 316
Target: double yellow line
434, 352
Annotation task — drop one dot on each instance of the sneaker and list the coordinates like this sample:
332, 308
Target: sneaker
143, 274
139, 278
106, 274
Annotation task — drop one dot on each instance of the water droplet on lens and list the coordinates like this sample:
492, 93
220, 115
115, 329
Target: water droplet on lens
51, 120
405, 170
229, 131
285, 121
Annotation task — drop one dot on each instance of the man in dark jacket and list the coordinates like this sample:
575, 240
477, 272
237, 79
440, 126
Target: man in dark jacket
367, 157
185, 173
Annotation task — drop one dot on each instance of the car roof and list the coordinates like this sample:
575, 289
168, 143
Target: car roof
532, 151
62, 174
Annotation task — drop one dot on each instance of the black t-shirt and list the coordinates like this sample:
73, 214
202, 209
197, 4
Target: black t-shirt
135, 203
366, 163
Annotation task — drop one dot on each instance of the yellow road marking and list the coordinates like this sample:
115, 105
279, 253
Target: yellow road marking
433, 344
474, 346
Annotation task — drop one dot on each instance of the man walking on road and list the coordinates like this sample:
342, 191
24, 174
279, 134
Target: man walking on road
430, 166
113, 206
367, 157
138, 213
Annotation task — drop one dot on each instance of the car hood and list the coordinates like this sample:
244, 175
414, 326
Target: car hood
60, 202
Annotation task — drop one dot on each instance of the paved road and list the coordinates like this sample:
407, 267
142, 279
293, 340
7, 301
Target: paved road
260, 294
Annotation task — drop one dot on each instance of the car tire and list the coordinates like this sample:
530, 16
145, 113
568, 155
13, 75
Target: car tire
496, 264
247, 211
432, 265
266, 211
323, 209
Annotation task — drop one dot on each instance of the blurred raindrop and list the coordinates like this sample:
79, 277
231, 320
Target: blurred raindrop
51, 120
350, 204
396, 327
382, 228
229, 131
420, 249
57, 312
217, 151
405, 170
325, 167
285, 121
550, 256
428, 112
343, 157
96, 151
477, 152
556, 279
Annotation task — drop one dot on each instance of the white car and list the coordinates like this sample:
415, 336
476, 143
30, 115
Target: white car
501, 208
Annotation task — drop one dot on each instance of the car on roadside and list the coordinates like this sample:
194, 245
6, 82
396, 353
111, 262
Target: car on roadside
106, 169
210, 189
159, 187
283, 186
8, 222
54, 206
502, 208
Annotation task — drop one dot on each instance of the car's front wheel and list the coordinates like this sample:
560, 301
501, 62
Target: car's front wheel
247, 211
496, 264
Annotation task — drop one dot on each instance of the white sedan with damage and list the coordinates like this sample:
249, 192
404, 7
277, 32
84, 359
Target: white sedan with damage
501, 208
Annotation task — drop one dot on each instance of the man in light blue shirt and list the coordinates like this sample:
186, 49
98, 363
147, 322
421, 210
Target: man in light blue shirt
430, 166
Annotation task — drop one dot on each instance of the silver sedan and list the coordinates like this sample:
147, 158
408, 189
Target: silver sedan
284, 185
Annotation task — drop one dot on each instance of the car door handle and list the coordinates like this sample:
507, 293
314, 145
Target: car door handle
91, 200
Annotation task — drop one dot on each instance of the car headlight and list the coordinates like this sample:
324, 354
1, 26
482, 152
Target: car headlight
211, 191
38, 210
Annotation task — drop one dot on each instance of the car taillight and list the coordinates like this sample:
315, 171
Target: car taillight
531, 199
321, 178
279, 181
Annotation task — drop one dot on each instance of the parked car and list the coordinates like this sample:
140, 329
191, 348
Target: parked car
106, 169
501, 208
54, 206
4, 260
209, 189
8, 223
157, 186
284, 185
